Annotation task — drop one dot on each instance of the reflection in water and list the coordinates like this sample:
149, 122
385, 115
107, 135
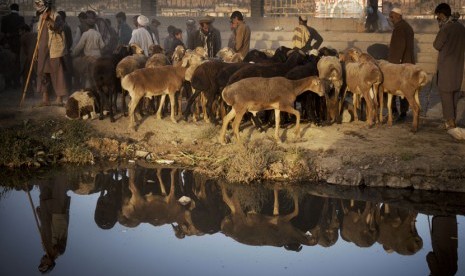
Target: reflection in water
53, 213
290, 217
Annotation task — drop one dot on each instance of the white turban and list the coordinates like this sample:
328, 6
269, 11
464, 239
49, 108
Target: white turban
143, 20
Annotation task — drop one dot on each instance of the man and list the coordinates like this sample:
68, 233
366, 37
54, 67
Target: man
10, 30
401, 51
124, 31
207, 37
153, 30
450, 42
141, 36
81, 28
371, 24
190, 30
50, 53
304, 36
68, 62
242, 38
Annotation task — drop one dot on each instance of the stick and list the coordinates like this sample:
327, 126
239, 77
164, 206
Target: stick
35, 216
34, 55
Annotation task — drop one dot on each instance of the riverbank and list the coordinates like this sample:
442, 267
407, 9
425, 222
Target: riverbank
344, 154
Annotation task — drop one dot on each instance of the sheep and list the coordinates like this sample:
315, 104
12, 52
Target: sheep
106, 82
149, 82
155, 60
228, 55
256, 94
404, 80
257, 56
330, 68
82, 104
363, 78
127, 65
209, 78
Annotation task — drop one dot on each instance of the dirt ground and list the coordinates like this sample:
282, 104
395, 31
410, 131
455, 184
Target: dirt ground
346, 154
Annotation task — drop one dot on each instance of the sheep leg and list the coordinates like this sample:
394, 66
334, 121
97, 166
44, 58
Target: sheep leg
123, 103
381, 103
112, 96
190, 101
226, 121
355, 101
389, 107
416, 111
296, 113
210, 115
131, 109
237, 122
160, 107
173, 105
277, 119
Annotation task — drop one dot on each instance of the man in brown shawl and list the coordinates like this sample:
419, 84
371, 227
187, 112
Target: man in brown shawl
401, 51
450, 42
50, 64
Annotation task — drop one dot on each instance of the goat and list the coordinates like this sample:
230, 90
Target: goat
149, 82
404, 80
256, 94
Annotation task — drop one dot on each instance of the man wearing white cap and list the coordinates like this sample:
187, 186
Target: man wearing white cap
401, 50
141, 36
304, 36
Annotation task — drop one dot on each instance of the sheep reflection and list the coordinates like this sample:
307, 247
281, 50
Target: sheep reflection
281, 216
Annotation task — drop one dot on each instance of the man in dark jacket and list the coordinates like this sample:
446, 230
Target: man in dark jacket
10, 31
401, 51
450, 42
207, 37
123, 29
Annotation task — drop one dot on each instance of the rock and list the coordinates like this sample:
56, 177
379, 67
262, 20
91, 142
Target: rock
350, 177
142, 153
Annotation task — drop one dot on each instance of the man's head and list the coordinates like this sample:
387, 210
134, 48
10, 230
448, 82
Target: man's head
91, 18
205, 23
42, 5
303, 19
178, 33
120, 17
14, 7
190, 23
442, 12
236, 16
82, 16
142, 21
62, 14
155, 23
395, 15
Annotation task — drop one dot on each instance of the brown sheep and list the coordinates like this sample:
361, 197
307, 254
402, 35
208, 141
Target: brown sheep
257, 94
404, 80
149, 82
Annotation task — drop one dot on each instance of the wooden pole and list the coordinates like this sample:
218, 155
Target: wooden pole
34, 55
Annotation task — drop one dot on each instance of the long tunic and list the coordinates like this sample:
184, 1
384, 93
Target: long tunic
402, 44
49, 56
450, 42
242, 39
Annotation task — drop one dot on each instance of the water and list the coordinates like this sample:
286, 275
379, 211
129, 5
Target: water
123, 222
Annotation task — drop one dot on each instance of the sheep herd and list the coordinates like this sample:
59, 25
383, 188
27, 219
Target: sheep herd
263, 80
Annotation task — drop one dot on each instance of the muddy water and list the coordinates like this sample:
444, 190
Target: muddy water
136, 220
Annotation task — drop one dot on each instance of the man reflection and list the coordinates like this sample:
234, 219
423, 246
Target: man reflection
443, 259
53, 213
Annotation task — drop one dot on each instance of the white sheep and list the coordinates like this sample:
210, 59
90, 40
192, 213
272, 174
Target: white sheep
257, 94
